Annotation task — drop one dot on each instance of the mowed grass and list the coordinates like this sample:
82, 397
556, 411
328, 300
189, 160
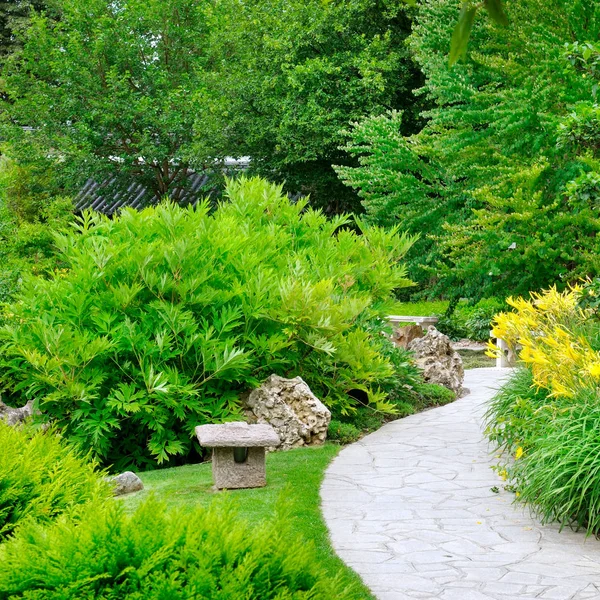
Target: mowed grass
476, 359
293, 476
421, 309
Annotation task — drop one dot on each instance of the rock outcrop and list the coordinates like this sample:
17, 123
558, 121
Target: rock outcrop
14, 416
288, 405
440, 363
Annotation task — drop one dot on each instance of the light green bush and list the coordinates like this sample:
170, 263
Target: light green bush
432, 394
344, 433
41, 478
163, 317
156, 555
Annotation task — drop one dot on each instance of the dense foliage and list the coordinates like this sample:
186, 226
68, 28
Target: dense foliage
161, 318
292, 74
471, 321
29, 217
153, 555
502, 179
547, 416
151, 90
41, 478
110, 88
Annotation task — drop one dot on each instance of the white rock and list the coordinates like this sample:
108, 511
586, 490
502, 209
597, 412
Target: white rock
125, 483
13, 416
440, 363
288, 405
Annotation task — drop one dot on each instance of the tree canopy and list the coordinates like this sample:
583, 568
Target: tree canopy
111, 88
495, 190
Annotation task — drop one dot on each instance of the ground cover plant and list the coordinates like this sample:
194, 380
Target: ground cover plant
161, 318
294, 475
42, 478
155, 554
407, 399
192, 543
547, 417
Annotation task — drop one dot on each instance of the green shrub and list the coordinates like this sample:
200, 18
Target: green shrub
432, 394
163, 317
41, 477
29, 216
519, 413
156, 555
344, 433
473, 322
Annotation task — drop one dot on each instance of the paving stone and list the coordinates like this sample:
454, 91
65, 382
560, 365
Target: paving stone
411, 510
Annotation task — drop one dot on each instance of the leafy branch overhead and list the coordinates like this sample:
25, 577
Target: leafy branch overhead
462, 30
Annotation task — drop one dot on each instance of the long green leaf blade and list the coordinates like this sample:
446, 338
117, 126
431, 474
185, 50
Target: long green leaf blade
462, 32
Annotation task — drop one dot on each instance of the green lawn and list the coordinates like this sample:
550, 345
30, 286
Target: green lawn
421, 309
473, 359
294, 474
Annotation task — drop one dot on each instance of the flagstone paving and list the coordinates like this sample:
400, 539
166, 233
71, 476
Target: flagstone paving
410, 508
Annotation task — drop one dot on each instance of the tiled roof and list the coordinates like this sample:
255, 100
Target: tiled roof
112, 194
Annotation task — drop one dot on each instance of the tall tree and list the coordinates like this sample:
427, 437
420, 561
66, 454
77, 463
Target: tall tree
14, 18
500, 175
112, 87
293, 73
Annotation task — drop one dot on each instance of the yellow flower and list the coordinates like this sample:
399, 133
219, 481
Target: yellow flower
519, 453
594, 370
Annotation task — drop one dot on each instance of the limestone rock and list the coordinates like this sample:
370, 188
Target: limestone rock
403, 336
296, 414
125, 483
14, 416
440, 363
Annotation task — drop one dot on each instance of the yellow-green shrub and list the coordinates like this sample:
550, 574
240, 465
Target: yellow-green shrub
163, 317
157, 555
42, 477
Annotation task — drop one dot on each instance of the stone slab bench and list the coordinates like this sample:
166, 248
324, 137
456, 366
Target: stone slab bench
424, 322
238, 458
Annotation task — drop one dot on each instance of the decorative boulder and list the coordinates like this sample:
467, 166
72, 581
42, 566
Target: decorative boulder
403, 336
440, 363
14, 416
288, 405
126, 483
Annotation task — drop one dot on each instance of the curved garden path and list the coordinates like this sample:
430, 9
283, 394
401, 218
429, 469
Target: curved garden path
410, 509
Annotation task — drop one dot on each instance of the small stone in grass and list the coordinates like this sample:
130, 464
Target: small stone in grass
126, 483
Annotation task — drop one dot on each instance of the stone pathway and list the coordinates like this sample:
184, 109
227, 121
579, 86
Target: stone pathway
410, 509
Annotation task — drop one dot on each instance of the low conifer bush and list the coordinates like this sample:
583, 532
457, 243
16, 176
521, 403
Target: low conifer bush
42, 478
205, 554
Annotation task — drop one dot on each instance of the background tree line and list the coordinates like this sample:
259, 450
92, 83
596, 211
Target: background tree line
492, 162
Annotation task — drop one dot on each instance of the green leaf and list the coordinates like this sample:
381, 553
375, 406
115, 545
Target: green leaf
462, 32
496, 11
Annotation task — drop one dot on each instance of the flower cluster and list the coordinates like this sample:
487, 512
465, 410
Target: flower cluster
550, 331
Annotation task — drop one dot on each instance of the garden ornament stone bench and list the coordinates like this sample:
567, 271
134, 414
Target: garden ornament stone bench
238, 459
423, 322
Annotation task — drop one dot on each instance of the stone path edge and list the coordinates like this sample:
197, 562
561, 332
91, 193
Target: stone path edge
411, 509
